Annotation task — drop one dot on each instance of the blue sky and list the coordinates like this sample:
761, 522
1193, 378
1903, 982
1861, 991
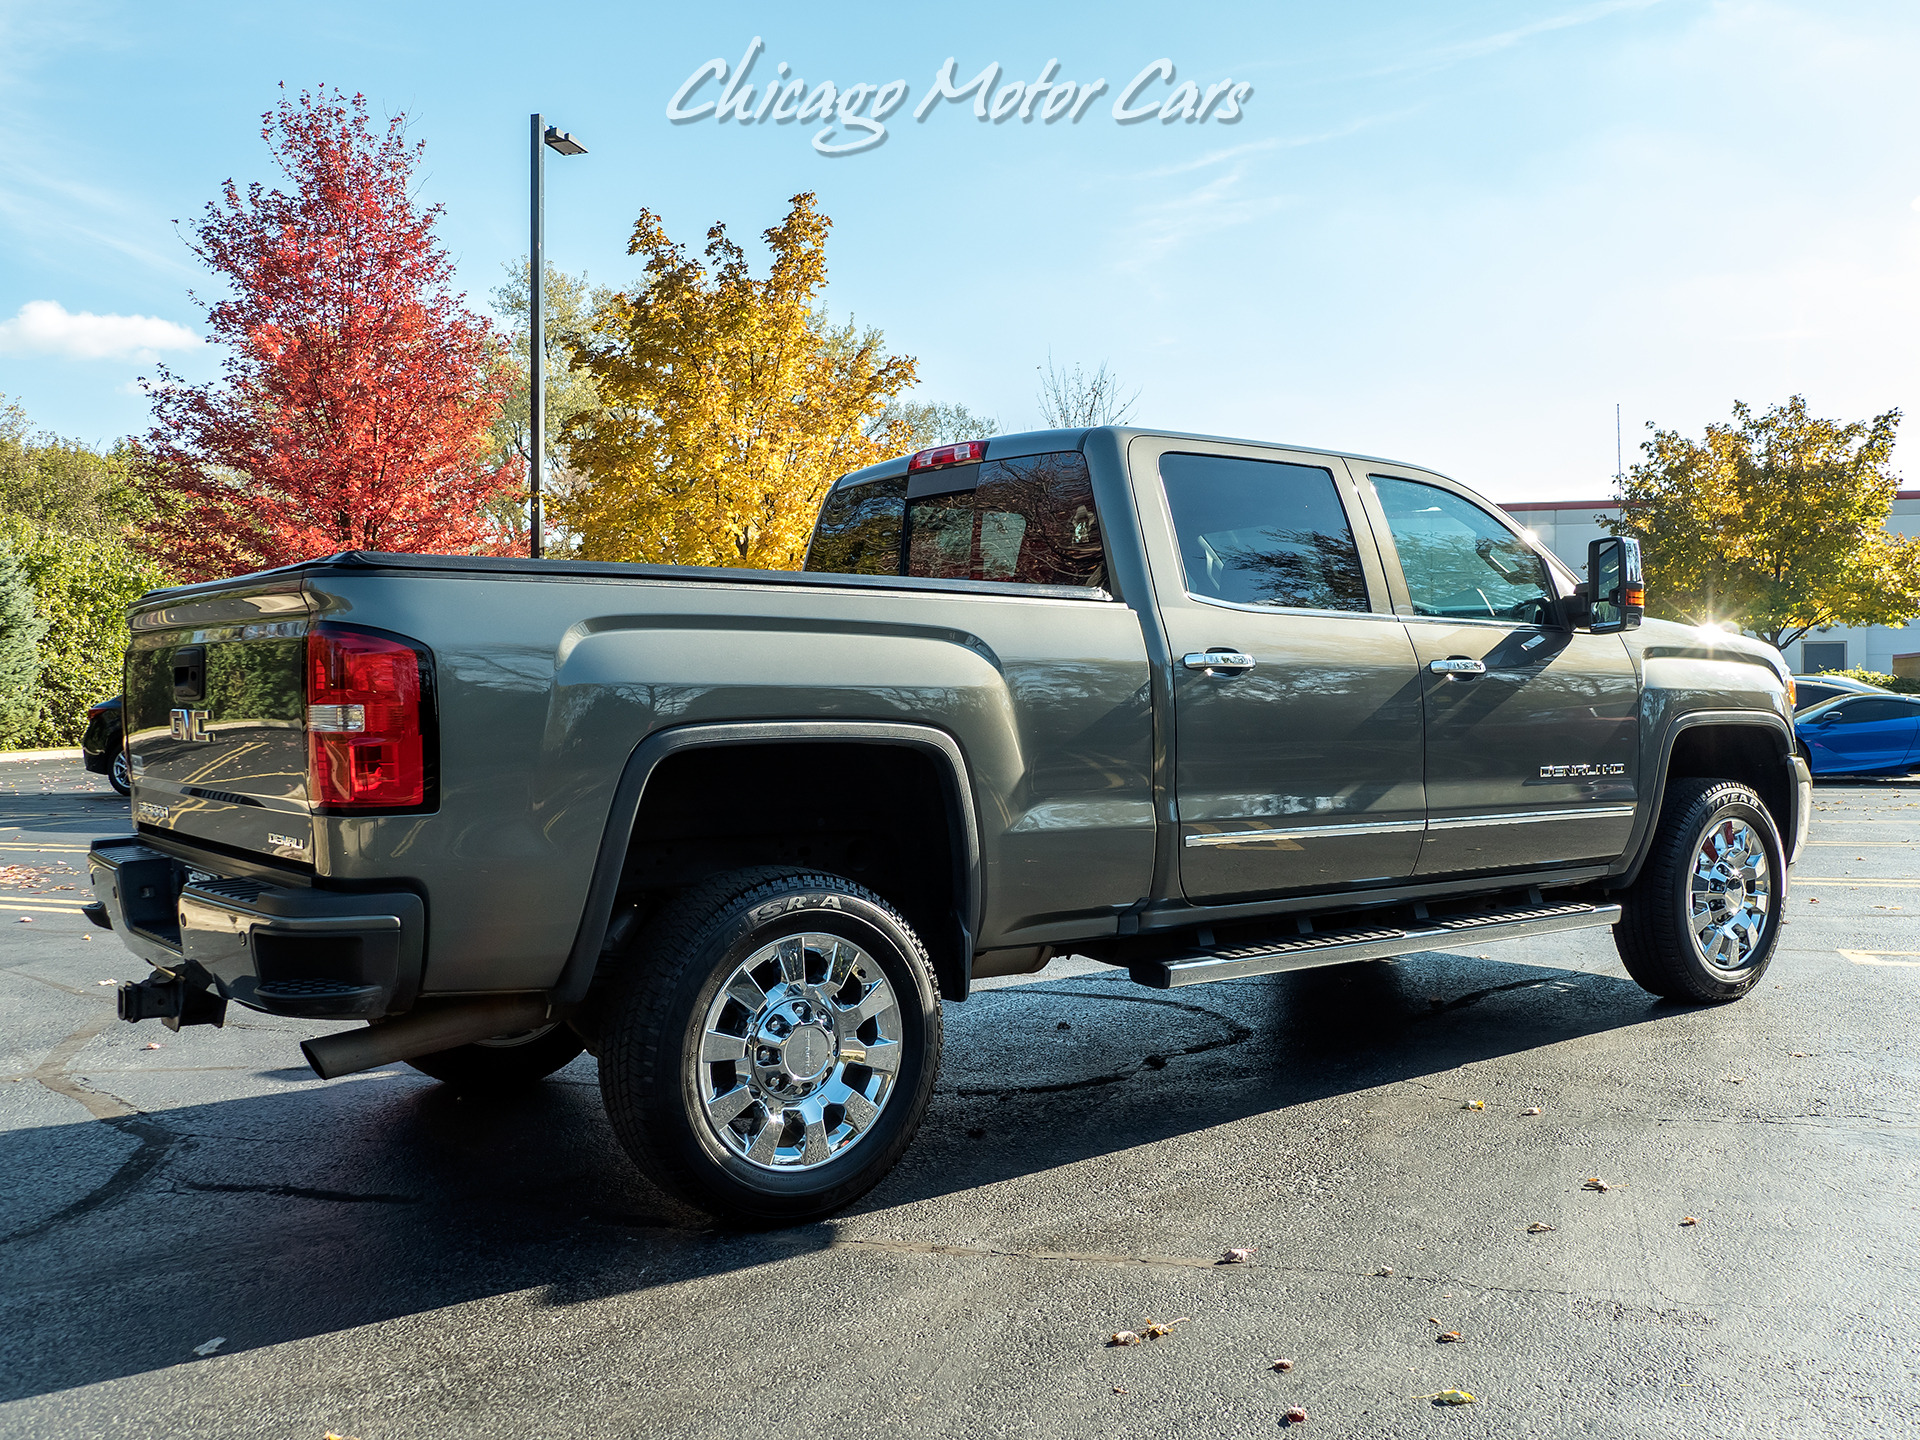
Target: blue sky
1456, 235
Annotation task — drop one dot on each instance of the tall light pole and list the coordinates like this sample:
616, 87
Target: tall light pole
543, 136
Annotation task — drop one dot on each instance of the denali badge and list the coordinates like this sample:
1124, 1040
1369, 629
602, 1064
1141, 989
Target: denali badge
285, 842
1572, 772
153, 812
190, 725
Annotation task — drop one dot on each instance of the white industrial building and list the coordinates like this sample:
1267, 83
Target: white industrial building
1565, 527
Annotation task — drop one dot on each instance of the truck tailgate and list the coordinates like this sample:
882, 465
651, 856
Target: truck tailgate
215, 719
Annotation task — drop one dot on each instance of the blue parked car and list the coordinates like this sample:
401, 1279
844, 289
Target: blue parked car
1861, 735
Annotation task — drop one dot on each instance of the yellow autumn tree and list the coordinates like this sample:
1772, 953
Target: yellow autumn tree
727, 405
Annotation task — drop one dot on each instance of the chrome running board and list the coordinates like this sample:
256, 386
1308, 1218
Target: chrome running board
1335, 948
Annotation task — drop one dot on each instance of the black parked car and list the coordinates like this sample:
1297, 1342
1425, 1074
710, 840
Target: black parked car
103, 749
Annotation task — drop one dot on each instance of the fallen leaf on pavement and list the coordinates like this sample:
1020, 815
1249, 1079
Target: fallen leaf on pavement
26, 919
1384, 1270
1594, 1182
1155, 1329
1283, 1364
1296, 1416
1813, 900
1476, 1105
1734, 1079
1123, 1337
151, 1045
1447, 1337
1690, 1220
1433, 1319
212, 1345
1121, 1390
1238, 1256
1797, 1054
1531, 1110
104, 982
1538, 1227
1453, 1397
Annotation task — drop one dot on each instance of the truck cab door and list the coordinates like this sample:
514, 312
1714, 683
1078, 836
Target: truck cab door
1295, 695
1532, 727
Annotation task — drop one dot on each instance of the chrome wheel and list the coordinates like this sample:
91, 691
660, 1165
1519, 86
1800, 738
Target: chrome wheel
799, 1053
1730, 895
118, 777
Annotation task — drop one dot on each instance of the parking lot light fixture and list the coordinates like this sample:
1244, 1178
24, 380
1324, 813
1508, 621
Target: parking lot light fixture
545, 136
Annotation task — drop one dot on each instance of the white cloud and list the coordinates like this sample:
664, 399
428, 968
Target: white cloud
43, 327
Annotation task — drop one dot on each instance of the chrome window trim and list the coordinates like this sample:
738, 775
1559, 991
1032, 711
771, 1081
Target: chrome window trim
1514, 625
1292, 609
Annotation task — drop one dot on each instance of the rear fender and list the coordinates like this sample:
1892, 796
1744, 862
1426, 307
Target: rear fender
954, 959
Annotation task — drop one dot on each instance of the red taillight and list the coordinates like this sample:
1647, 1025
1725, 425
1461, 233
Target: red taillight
965, 453
366, 741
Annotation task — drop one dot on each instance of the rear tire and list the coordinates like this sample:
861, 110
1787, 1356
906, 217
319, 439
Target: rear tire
1701, 922
117, 774
774, 1045
507, 1062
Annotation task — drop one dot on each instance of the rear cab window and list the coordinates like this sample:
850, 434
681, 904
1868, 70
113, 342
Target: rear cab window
1262, 533
1027, 520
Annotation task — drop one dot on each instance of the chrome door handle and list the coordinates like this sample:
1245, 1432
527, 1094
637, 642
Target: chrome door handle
1219, 662
1455, 666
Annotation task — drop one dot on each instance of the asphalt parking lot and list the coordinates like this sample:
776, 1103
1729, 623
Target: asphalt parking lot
384, 1259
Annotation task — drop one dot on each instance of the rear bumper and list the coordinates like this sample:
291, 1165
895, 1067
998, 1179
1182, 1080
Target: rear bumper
283, 949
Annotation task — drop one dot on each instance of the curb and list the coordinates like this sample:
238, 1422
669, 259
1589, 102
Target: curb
9, 755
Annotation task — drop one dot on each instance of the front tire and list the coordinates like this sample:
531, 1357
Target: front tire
774, 1047
1703, 920
504, 1063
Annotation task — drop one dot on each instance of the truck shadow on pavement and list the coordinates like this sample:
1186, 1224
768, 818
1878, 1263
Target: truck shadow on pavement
318, 1208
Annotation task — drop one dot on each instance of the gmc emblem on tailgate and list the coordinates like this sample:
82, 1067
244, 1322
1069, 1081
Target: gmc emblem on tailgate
190, 725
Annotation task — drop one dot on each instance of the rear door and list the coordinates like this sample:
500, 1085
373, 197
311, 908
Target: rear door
1296, 698
1532, 729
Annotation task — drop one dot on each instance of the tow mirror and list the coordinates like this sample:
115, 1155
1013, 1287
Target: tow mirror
1617, 595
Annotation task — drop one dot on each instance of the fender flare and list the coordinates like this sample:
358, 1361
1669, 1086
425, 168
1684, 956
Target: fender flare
583, 958
1648, 820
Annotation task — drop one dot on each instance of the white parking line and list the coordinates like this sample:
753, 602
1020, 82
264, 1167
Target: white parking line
1879, 957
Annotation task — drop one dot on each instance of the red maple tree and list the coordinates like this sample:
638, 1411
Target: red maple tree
357, 390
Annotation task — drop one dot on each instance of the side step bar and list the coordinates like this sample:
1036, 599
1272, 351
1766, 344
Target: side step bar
1307, 951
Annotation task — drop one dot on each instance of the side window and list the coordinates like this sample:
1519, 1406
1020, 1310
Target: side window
1865, 712
1460, 562
1261, 532
858, 532
1030, 520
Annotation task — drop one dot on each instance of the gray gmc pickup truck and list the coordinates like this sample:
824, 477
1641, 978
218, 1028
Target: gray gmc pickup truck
1195, 708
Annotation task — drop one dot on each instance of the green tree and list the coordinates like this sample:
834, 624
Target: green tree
1776, 521
21, 630
729, 404
82, 587
66, 484
573, 305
